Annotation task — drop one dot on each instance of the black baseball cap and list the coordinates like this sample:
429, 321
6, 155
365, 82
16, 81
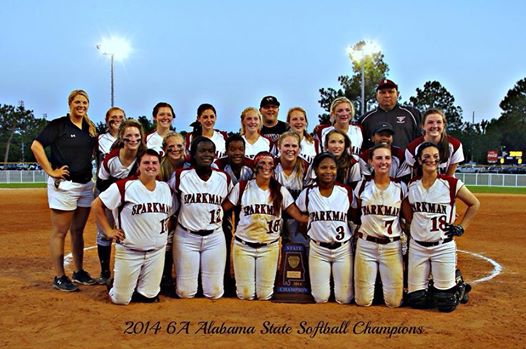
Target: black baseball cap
269, 100
386, 83
384, 127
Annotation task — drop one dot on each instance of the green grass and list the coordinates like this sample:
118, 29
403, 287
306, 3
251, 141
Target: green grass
497, 190
23, 185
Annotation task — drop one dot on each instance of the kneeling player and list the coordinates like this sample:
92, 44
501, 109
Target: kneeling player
142, 207
430, 208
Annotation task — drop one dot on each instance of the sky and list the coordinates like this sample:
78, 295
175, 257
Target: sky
232, 53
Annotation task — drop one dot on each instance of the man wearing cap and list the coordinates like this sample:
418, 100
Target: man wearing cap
272, 127
406, 121
383, 133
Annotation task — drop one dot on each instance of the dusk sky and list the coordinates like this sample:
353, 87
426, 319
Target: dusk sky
232, 53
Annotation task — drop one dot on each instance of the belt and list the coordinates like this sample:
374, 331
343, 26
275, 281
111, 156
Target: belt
197, 232
381, 241
433, 243
255, 244
330, 245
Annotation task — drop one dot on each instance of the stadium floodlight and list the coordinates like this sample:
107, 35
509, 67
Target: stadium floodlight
117, 49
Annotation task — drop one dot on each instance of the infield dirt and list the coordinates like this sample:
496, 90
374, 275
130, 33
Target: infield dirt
34, 315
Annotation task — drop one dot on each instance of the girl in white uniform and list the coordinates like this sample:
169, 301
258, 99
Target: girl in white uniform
163, 115
256, 247
173, 159
309, 146
121, 162
342, 114
339, 144
328, 205
451, 152
430, 207
105, 141
251, 122
378, 203
204, 126
290, 172
199, 241
142, 208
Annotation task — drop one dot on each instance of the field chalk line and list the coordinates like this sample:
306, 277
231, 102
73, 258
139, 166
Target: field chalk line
497, 268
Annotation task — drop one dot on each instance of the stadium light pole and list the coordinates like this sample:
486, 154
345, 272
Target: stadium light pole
117, 49
358, 54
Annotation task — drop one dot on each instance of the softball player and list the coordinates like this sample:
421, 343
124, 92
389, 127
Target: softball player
173, 159
199, 241
338, 144
451, 151
430, 207
114, 118
251, 122
342, 114
328, 205
204, 126
163, 115
378, 203
120, 163
290, 172
256, 247
142, 207
105, 141
235, 163
309, 146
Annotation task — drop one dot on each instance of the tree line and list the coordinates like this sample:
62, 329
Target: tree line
19, 126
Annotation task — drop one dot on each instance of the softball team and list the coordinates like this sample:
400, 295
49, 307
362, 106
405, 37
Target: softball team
179, 221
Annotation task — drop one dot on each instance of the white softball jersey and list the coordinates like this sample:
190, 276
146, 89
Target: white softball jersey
456, 153
433, 208
398, 166
200, 201
142, 214
112, 166
105, 141
328, 216
379, 208
354, 133
293, 182
262, 144
155, 141
258, 222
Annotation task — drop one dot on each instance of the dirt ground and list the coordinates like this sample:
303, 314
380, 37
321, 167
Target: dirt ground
34, 315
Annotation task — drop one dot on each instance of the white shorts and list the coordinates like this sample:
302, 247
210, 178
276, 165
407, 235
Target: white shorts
69, 195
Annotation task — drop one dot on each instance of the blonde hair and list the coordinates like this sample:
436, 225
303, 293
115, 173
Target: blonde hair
338, 101
92, 128
298, 166
307, 136
244, 114
167, 168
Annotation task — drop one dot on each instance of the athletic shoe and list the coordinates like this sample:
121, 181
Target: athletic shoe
63, 283
83, 277
103, 278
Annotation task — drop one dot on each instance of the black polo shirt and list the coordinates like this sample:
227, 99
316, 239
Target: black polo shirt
69, 146
275, 131
406, 121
